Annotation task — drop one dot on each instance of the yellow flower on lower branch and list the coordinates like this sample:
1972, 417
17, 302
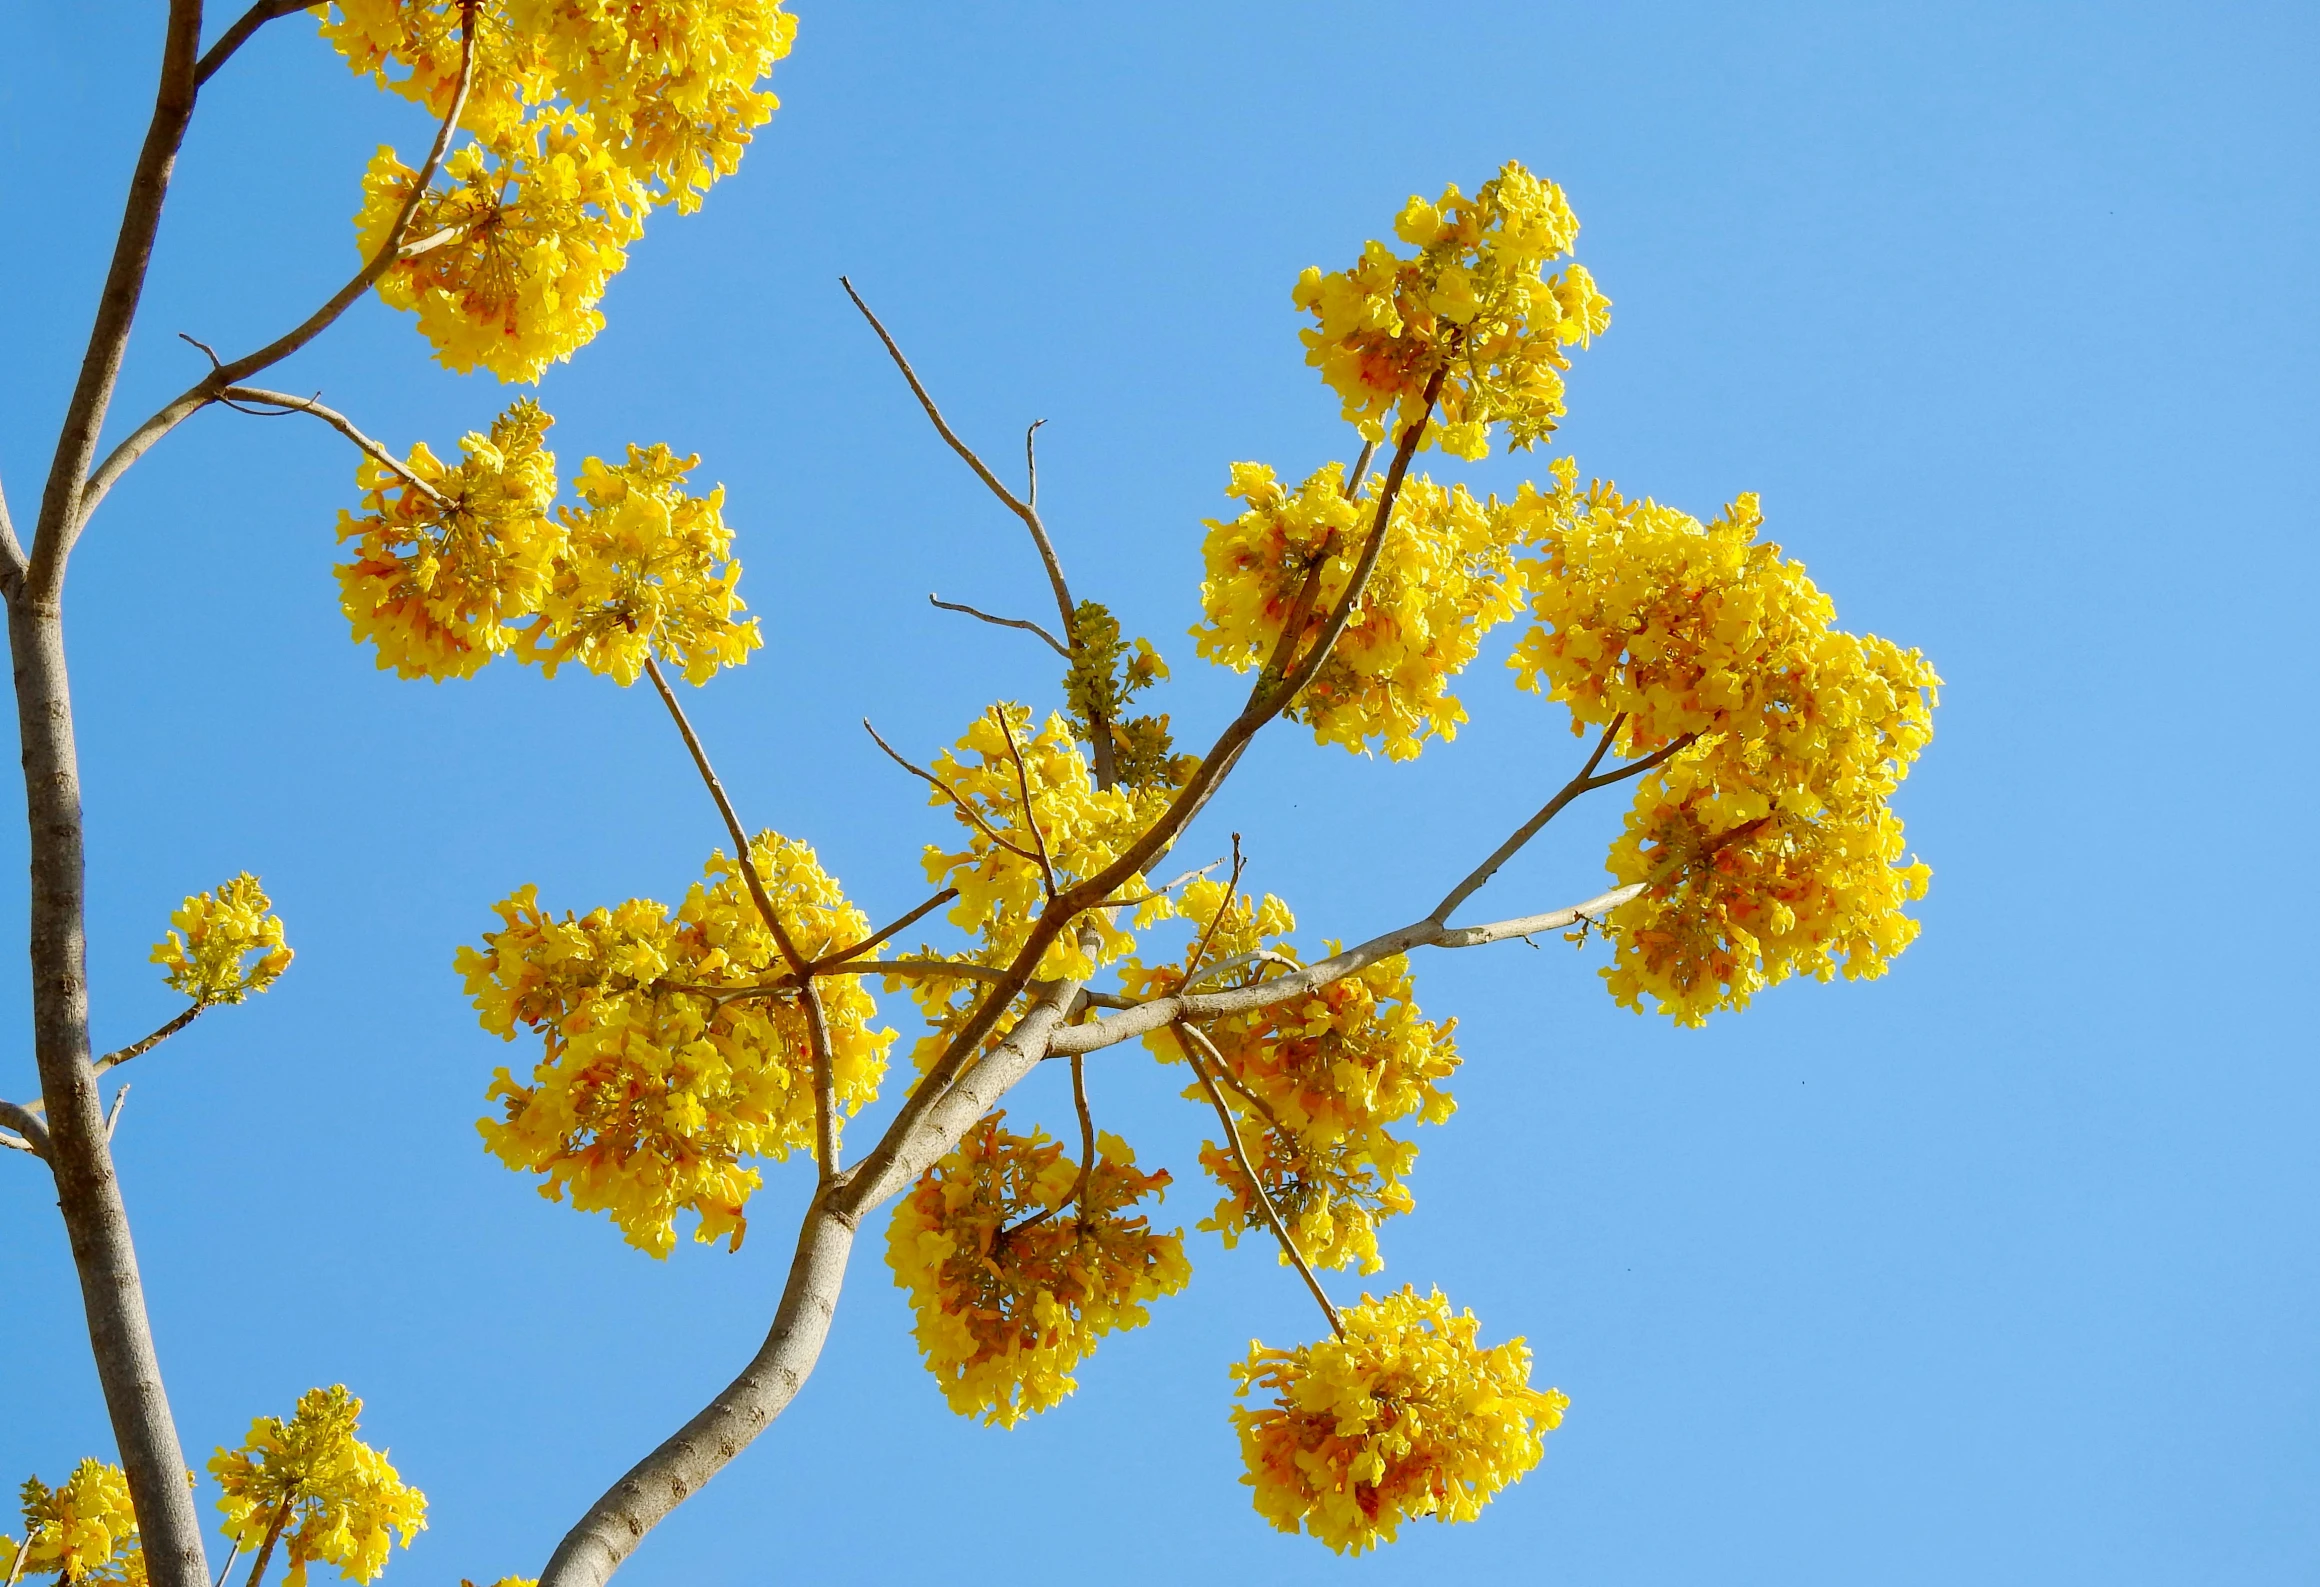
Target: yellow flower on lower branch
1404, 1416
84, 1531
320, 1492
210, 962
1011, 1287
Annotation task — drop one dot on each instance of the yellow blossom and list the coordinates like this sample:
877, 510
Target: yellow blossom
319, 1491
1406, 1415
1441, 581
1471, 306
647, 570
1768, 844
207, 956
1011, 1287
434, 585
651, 1092
84, 1531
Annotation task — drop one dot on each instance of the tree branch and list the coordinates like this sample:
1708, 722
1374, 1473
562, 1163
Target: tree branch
144, 1045
955, 797
11, 552
825, 1082
1186, 1036
878, 938
797, 961
31, 1134
113, 1113
344, 426
234, 37
1057, 645
211, 386
1023, 784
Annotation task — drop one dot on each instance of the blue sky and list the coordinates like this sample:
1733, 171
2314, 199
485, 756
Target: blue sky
2002, 1268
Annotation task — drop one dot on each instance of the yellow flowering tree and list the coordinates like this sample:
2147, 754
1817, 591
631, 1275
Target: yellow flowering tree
667, 1053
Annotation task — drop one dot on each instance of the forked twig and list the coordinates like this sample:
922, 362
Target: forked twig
1055, 644
955, 797
1023, 784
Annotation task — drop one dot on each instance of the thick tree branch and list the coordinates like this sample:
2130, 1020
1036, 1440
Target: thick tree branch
236, 36
212, 386
1055, 644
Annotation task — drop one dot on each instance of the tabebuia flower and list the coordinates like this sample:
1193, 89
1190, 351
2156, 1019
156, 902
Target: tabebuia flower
207, 955
1405, 1415
82, 1531
313, 1489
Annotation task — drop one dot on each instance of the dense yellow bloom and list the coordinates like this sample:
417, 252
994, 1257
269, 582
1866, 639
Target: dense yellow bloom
648, 1097
648, 570
588, 113
1472, 305
1768, 844
332, 1497
207, 957
535, 229
1106, 674
434, 587
84, 1531
1010, 1289
1404, 1416
1442, 581
1314, 1081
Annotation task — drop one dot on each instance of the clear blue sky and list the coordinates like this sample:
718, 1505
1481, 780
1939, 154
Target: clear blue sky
2002, 1269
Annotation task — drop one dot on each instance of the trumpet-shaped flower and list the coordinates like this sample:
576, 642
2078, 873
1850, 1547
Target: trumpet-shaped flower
208, 954
83, 1531
316, 1489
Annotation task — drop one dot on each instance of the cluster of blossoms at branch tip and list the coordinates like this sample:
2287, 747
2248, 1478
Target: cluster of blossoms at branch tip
1767, 842
1441, 581
82, 1531
208, 954
1472, 308
317, 1491
587, 115
444, 579
1011, 1282
656, 1081
1313, 1082
1405, 1415
1001, 882
1107, 672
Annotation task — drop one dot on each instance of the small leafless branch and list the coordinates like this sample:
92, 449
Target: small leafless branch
756, 883
1030, 816
1031, 464
1188, 1036
878, 937
1087, 1136
343, 425
955, 797
1353, 480
1232, 894
1055, 644
145, 1044
236, 36
113, 1113
31, 1133
825, 1082
1240, 961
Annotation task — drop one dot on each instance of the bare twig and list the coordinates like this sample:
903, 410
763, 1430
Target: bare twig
1232, 893
756, 884
1021, 509
31, 1133
878, 937
1057, 645
1585, 782
145, 1044
955, 797
1353, 480
87, 494
1023, 785
232, 1554
113, 1113
234, 37
344, 426
825, 1082
1239, 961
1186, 1035
273, 1535
1031, 464
1087, 1136
922, 969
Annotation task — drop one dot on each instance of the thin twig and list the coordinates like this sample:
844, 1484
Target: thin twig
922, 969
1236, 962
31, 1133
1031, 465
797, 961
113, 1113
1232, 893
144, 1045
878, 937
234, 37
344, 426
1055, 644
1186, 1036
1353, 481
1087, 1136
955, 797
232, 1554
273, 1535
205, 391
1023, 784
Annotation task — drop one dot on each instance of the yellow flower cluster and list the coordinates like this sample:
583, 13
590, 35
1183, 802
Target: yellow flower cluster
1010, 1289
436, 587
330, 1496
1080, 828
439, 584
1472, 305
84, 1531
1314, 1081
648, 569
1442, 581
207, 956
1406, 1415
588, 114
1106, 674
655, 1084
1768, 843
